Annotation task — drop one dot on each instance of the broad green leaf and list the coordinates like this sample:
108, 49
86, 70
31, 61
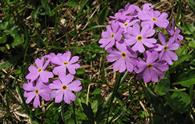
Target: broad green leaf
187, 80
80, 71
179, 101
162, 87
192, 43
17, 40
181, 60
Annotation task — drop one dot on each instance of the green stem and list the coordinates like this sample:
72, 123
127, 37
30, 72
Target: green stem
116, 87
74, 113
62, 112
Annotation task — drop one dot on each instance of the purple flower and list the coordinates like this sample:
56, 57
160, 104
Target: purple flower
35, 92
167, 49
128, 13
152, 18
39, 71
139, 39
131, 11
123, 58
112, 34
49, 56
174, 32
120, 16
65, 62
126, 24
147, 7
64, 88
152, 69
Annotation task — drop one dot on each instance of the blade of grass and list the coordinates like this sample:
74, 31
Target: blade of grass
116, 87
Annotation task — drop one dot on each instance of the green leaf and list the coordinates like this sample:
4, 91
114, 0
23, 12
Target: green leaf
18, 40
72, 3
5, 65
187, 80
46, 7
3, 39
80, 71
179, 101
35, 122
162, 87
181, 60
82, 4
88, 112
103, 14
97, 91
192, 5
191, 43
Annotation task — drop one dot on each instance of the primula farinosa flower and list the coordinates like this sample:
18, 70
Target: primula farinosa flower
128, 13
152, 69
112, 35
147, 7
38, 71
152, 18
36, 92
120, 16
140, 38
131, 11
49, 56
123, 58
65, 88
65, 62
174, 32
131, 39
64, 66
166, 49
125, 25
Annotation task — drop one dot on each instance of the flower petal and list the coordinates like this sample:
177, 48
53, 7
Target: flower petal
45, 75
30, 96
39, 62
74, 59
75, 86
66, 79
56, 84
58, 97
36, 102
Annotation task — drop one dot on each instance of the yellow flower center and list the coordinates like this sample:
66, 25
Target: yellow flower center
165, 48
37, 92
112, 35
123, 54
154, 19
65, 63
149, 65
139, 38
126, 24
64, 87
39, 70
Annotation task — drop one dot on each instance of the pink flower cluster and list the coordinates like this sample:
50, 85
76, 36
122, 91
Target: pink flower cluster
141, 41
52, 77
